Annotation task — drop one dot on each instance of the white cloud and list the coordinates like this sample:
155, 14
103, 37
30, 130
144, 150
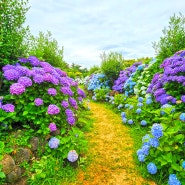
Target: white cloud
86, 28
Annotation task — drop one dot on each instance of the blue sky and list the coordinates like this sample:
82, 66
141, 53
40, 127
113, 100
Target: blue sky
86, 28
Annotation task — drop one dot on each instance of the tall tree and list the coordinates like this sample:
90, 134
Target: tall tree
46, 48
12, 31
173, 38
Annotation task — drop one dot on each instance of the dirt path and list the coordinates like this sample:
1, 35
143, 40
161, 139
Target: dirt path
110, 152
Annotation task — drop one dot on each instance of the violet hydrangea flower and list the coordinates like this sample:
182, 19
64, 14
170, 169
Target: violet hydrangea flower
11, 74
54, 142
67, 91
8, 107
38, 101
71, 120
52, 127
27, 82
72, 156
64, 104
53, 109
52, 91
17, 89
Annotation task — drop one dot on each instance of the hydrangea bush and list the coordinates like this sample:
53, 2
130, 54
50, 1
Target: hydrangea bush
45, 99
169, 86
124, 76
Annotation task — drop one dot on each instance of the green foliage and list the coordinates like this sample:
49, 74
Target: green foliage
146, 76
12, 32
94, 69
111, 65
46, 48
101, 94
173, 38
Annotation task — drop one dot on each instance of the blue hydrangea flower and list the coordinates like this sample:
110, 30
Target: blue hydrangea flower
72, 156
141, 157
130, 122
152, 169
131, 107
126, 105
123, 114
138, 111
183, 164
146, 138
173, 180
145, 149
182, 117
140, 99
139, 104
148, 101
154, 142
143, 123
157, 130
124, 120
54, 142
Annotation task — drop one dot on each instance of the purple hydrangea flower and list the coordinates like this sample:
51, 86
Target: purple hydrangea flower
81, 93
152, 169
69, 112
66, 90
27, 82
53, 109
17, 89
34, 61
173, 180
71, 120
52, 127
11, 74
54, 142
52, 91
46, 66
38, 101
8, 67
157, 130
72, 102
37, 78
80, 98
183, 98
8, 107
72, 156
65, 104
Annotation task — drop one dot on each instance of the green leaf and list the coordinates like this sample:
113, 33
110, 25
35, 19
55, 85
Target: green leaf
2, 175
25, 113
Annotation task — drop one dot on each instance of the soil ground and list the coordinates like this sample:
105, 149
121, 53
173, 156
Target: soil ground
111, 152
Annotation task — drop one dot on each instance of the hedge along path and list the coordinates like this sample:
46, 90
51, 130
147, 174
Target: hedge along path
110, 152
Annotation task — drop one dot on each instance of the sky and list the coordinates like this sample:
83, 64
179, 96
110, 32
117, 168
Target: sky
87, 28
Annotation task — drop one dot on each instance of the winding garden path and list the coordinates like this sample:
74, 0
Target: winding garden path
110, 152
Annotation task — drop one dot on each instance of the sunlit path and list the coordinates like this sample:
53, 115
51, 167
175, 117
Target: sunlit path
110, 152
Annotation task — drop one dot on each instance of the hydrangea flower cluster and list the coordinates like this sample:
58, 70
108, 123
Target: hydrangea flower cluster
54, 143
8, 107
182, 117
124, 76
52, 91
152, 169
97, 81
150, 141
173, 180
53, 109
174, 68
52, 127
72, 156
144, 78
38, 101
